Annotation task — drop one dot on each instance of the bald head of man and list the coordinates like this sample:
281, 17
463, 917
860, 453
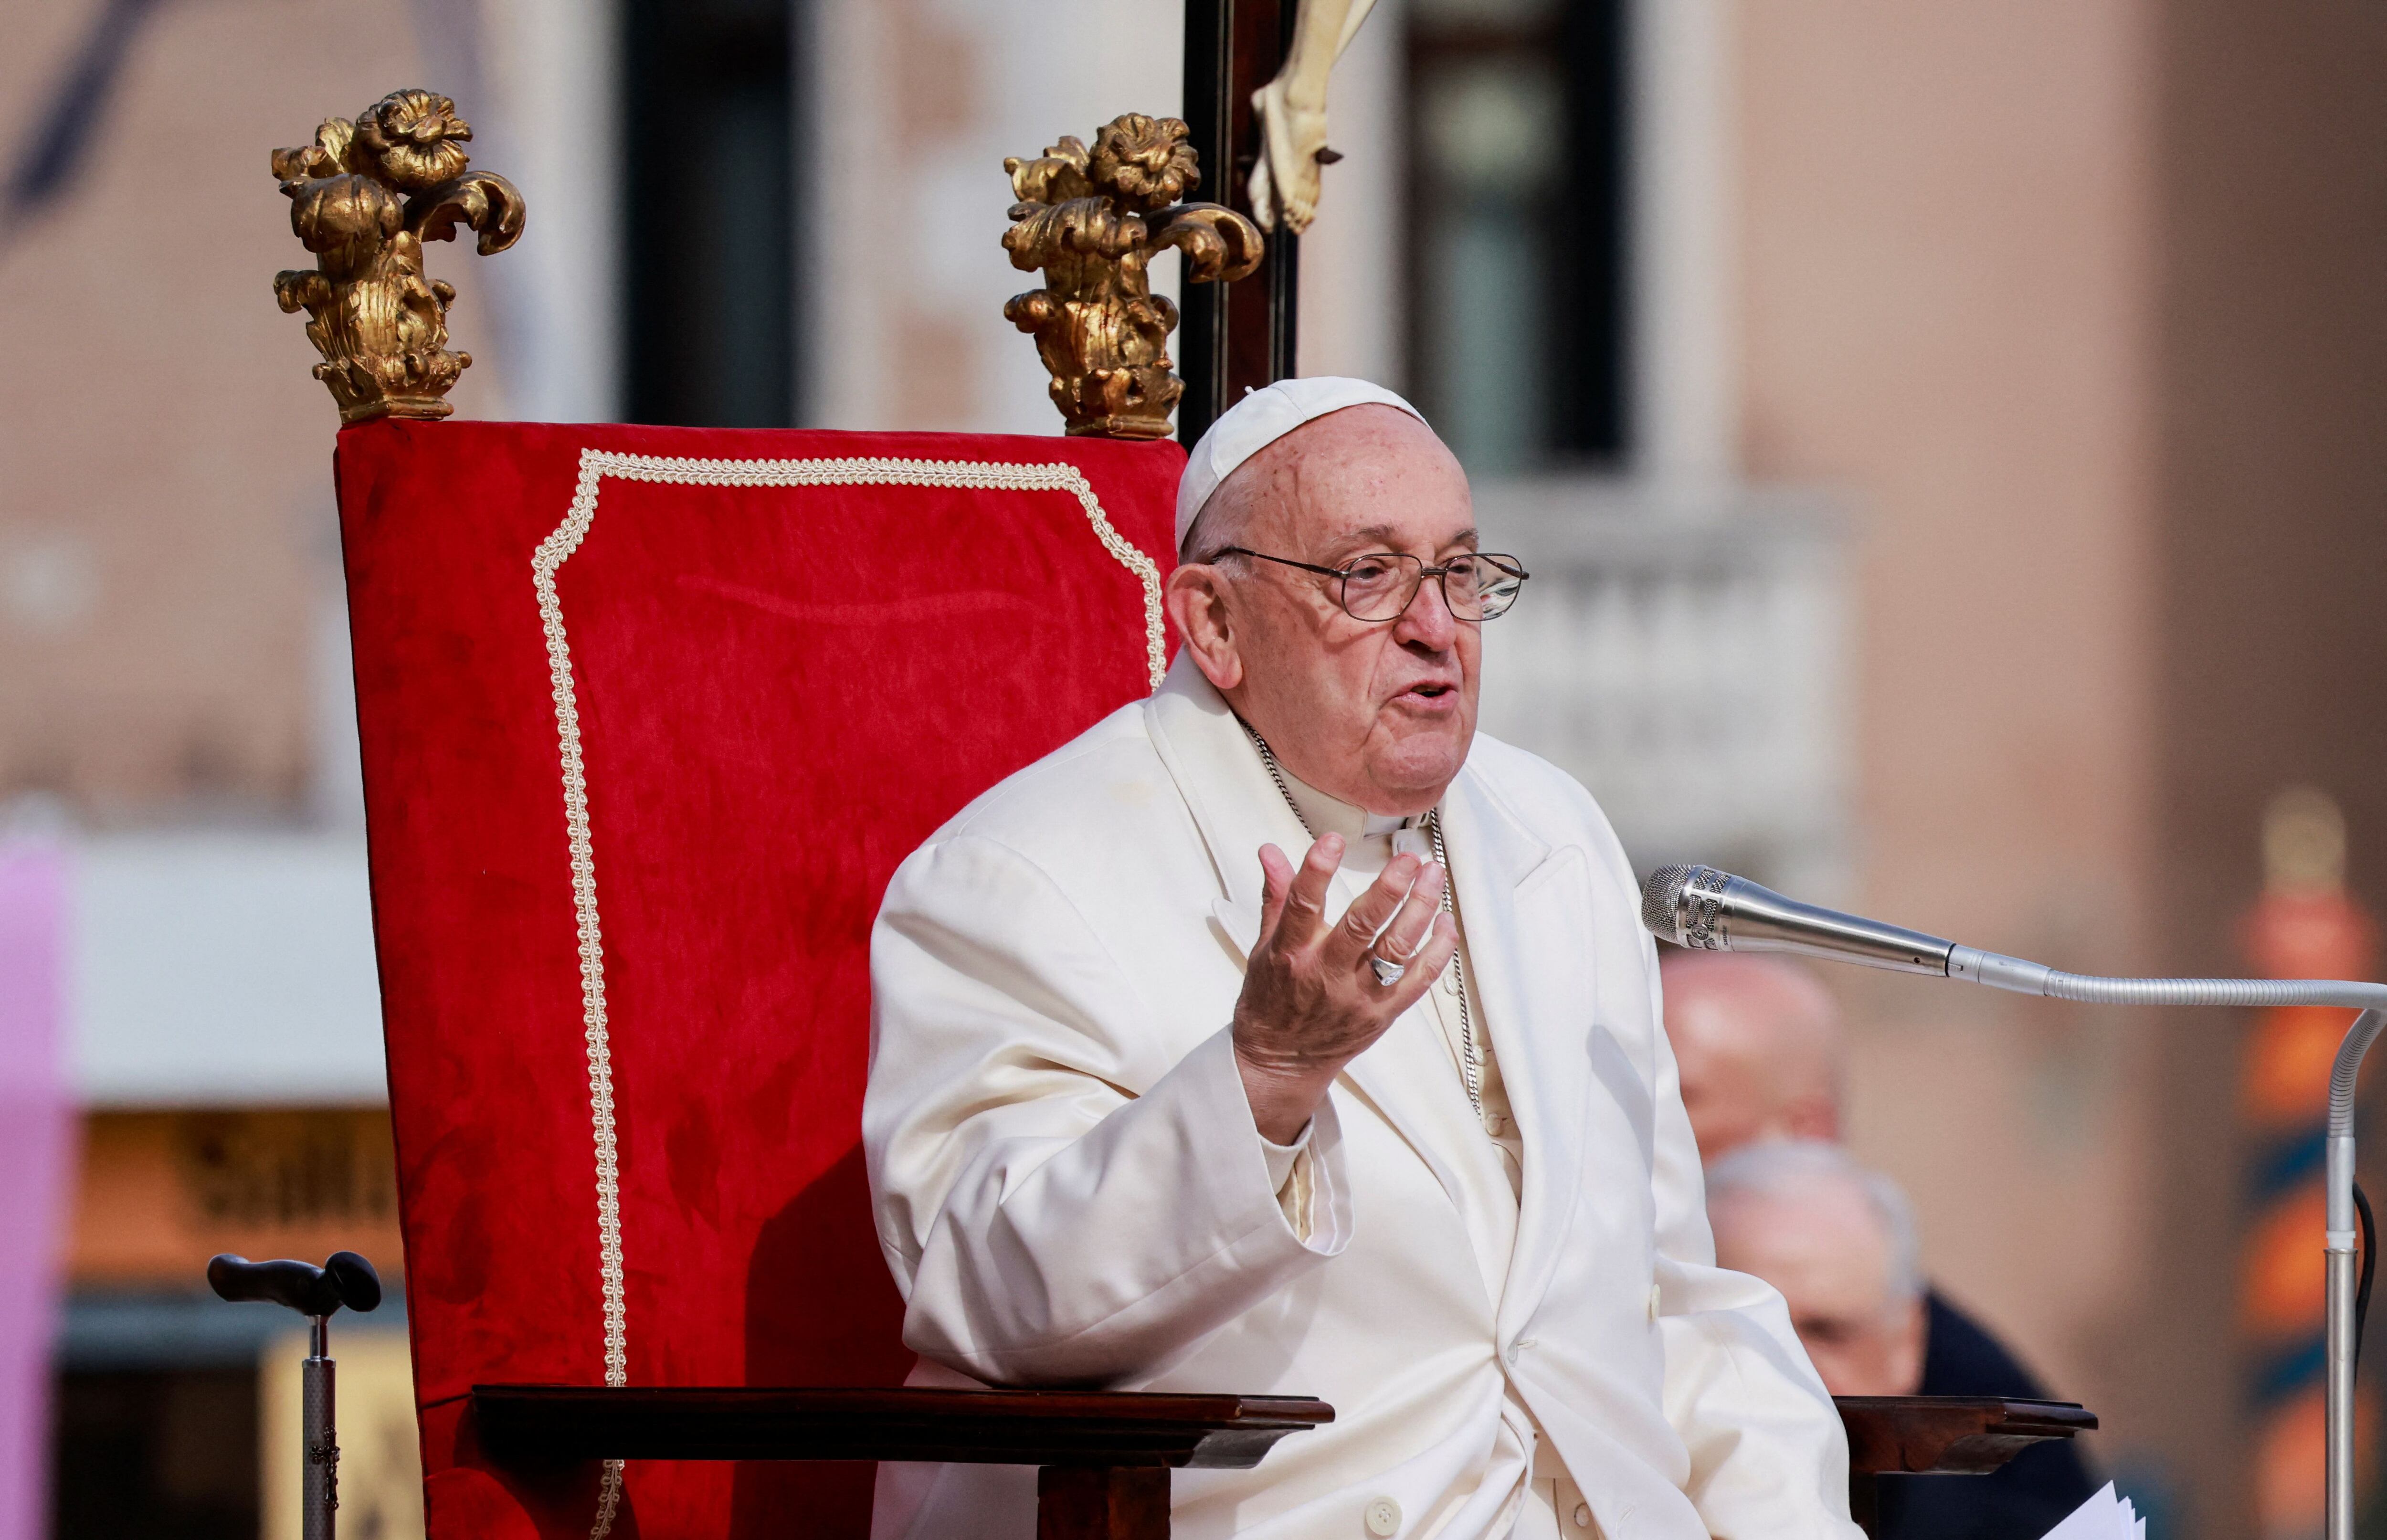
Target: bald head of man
1758, 1041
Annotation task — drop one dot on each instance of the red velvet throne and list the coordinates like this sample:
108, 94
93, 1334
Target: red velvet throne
648, 717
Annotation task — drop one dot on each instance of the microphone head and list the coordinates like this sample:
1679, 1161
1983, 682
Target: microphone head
1667, 914
1661, 897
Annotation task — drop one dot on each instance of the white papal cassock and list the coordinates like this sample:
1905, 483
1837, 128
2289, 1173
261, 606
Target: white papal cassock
1514, 1311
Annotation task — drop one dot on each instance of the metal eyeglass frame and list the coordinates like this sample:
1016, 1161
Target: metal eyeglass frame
1501, 561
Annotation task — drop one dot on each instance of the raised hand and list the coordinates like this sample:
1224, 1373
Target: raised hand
1311, 1001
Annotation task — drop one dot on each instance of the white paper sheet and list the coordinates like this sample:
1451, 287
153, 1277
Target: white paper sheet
2106, 1516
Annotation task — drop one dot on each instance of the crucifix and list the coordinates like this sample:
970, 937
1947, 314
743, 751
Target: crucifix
1255, 101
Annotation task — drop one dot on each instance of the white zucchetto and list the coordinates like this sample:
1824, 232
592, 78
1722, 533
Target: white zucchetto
1260, 419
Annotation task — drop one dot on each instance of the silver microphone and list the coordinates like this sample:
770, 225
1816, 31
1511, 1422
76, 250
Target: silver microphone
1711, 911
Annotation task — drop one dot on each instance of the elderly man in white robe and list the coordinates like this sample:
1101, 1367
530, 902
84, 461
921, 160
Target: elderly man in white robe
1284, 1035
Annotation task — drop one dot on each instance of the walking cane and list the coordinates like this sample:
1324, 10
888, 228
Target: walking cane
344, 1278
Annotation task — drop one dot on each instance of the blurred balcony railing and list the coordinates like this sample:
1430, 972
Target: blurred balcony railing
1684, 656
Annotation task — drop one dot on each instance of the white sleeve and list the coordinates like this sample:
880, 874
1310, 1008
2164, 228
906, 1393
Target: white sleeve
1058, 1204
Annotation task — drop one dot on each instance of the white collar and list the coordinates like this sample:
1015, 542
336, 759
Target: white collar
1327, 814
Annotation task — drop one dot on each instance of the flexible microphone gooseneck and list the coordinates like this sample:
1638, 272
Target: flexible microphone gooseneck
1707, 910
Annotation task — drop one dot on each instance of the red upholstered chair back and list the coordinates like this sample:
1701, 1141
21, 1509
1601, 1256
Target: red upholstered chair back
648, 717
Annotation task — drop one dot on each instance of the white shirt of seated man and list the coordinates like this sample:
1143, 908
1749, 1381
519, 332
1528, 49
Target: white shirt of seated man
1193, 1069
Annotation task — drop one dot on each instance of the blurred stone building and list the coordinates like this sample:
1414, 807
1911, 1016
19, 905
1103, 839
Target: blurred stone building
1945, 437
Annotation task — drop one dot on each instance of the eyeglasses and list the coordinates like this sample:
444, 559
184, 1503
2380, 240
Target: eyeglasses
1382, 584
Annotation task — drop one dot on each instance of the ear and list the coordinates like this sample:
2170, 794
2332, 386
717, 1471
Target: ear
1200, 605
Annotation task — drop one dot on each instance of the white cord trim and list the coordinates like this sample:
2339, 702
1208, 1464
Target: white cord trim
609, 1500
557, 548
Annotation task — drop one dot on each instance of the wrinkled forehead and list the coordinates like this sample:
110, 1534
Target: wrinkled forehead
1368, 473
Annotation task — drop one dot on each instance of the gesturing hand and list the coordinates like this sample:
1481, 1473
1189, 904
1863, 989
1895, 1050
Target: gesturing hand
1310, 1002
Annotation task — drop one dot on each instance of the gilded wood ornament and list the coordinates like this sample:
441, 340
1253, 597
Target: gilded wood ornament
1091, 221
363, 198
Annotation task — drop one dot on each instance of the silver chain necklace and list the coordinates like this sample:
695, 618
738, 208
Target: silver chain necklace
1470, 1070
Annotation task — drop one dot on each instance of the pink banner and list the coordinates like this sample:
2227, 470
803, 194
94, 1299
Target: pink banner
35, 1133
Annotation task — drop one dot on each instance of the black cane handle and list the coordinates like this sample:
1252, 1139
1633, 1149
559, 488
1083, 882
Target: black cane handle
344, 1278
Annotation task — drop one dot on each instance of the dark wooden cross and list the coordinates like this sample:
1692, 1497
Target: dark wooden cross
1234, 337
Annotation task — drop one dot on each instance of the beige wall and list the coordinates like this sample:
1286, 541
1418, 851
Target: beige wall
165, 489
2273, 189
2081, 300
1945, 258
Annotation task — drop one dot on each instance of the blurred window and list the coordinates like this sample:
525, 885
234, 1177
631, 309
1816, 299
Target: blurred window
1517, 228
709, 211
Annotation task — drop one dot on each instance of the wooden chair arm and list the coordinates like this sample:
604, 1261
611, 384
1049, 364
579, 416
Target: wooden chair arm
1107, 1454
546, 1423
1943, 1435
1949, 1435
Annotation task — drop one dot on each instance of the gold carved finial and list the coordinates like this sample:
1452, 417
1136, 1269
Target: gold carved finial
1092, 222
364, 196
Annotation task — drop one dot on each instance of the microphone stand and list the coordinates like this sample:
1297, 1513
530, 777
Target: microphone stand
1705, 909
2000, 972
